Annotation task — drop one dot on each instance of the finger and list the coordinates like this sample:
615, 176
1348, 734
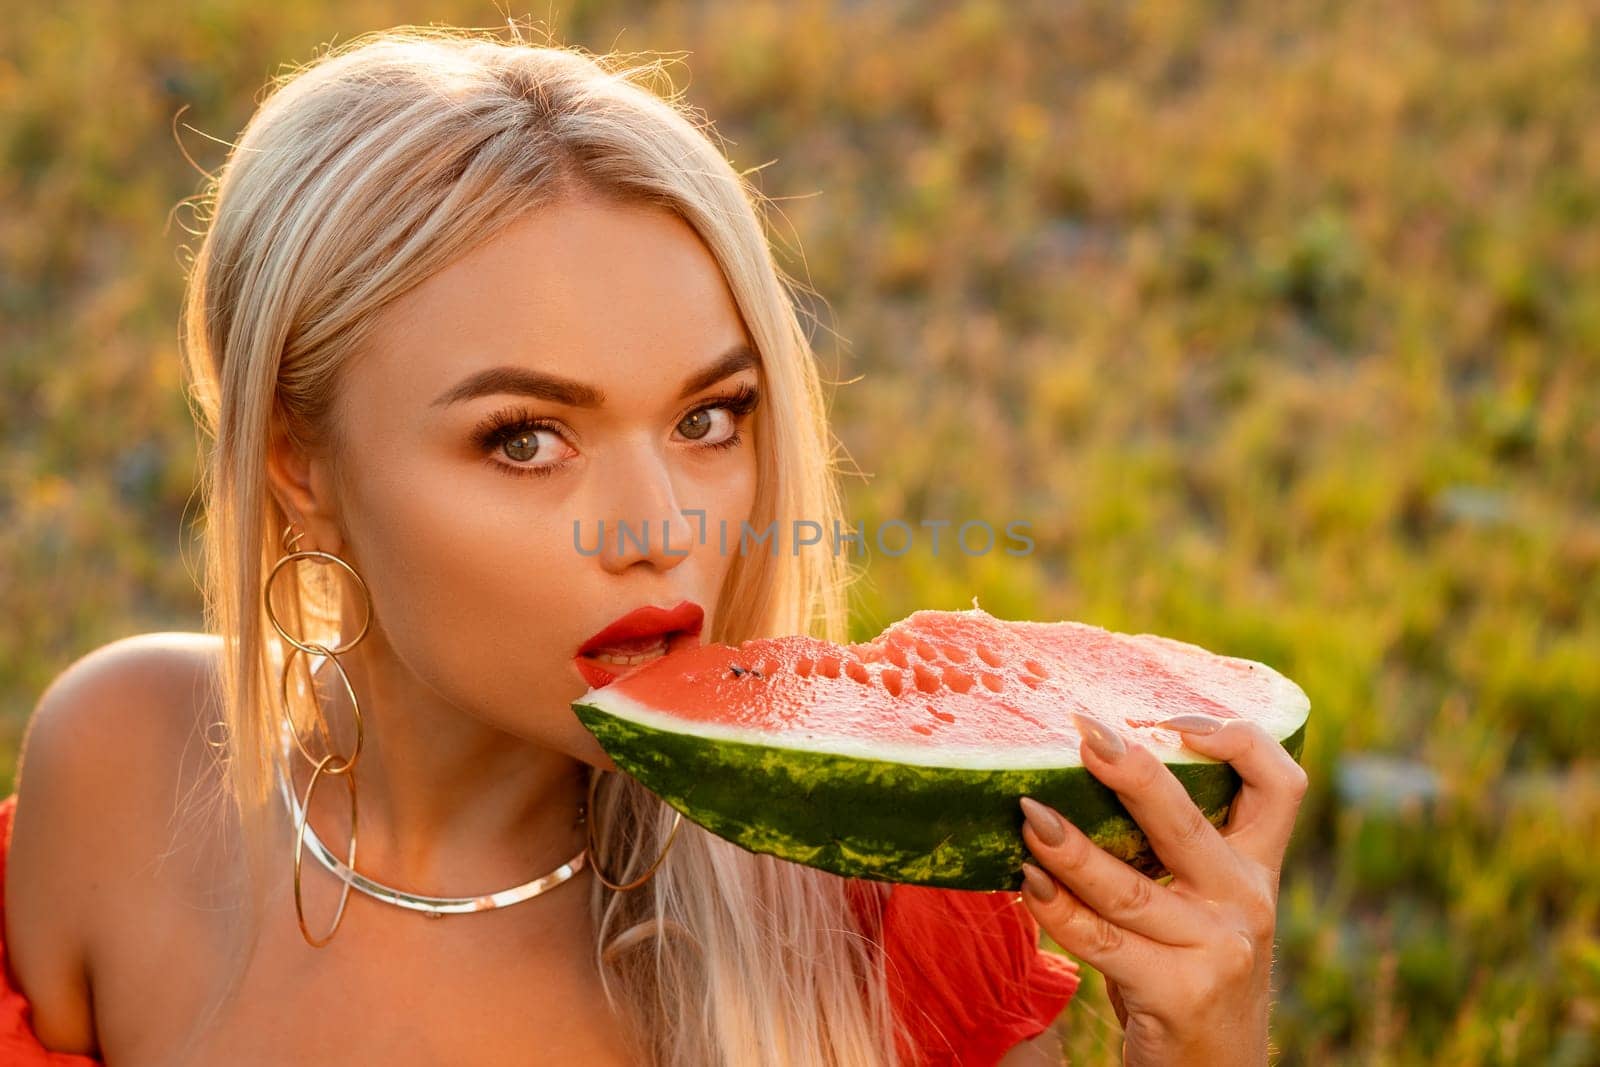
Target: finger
1112, 888
1119, 954
1264, 812
1180, 834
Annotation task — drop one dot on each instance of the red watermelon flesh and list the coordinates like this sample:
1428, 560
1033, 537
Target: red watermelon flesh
938, 680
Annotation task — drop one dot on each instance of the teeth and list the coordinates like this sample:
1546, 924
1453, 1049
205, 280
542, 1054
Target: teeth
628, 658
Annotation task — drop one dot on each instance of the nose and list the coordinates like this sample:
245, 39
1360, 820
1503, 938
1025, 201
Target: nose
642, 522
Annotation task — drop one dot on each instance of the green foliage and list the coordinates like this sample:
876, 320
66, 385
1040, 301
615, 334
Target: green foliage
1280, 327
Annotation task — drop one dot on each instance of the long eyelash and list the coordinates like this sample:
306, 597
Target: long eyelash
740, 402
492, 434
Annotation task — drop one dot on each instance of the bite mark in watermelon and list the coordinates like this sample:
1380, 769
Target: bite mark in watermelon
903, 758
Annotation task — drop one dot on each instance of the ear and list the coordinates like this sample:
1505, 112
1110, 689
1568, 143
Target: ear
301, 479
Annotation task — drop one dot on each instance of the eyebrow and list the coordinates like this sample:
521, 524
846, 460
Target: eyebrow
521, 381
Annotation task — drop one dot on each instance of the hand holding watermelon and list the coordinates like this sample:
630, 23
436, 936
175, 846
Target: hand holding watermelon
1187, 964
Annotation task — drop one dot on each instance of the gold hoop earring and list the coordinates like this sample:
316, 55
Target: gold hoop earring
300, 847
588, 830
293, 556
332, 763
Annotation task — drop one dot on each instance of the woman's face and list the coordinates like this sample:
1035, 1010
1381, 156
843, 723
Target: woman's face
577, 369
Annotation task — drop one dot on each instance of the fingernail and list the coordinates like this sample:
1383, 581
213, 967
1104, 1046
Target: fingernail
1106, 744
1045, 823
1192, 724
1039, 885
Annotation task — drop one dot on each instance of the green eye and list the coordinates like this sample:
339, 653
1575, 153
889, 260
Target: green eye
523, 447
696, 424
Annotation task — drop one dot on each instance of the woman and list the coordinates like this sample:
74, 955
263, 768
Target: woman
458, 299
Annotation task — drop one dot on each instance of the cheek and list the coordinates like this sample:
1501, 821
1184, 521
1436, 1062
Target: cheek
729, 495
472, 594
737, 490
461, 556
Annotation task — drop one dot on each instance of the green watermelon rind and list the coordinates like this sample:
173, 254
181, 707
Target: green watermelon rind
950, 827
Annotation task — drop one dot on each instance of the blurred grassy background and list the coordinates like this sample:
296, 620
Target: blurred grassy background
1279, 323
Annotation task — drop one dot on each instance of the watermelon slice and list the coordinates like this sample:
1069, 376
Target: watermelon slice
902, 759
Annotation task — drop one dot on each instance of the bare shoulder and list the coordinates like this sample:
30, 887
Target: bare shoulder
103, 754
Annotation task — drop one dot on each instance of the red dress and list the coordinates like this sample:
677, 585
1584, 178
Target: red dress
965, 971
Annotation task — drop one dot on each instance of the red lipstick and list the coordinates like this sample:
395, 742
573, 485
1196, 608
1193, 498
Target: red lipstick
637, 631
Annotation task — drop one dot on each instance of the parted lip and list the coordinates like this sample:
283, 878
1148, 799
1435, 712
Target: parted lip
647, 621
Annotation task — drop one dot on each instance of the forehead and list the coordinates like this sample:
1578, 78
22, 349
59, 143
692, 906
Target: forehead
625, 297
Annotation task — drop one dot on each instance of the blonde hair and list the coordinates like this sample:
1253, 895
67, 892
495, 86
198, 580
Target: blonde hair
362, 173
